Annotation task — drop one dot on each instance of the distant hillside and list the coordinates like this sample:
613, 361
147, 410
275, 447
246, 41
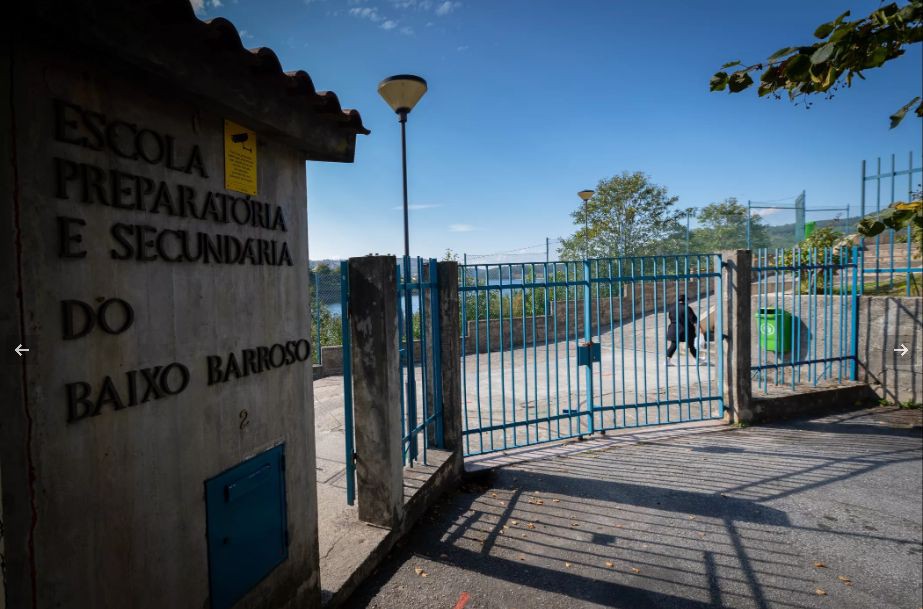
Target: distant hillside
783, 235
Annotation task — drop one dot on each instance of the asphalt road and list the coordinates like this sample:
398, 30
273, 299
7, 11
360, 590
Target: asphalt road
823, 513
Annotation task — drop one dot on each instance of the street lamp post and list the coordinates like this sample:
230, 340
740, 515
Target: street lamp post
402, 92
585, 195
690, 211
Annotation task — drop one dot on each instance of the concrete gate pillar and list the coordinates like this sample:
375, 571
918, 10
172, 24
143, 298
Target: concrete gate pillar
736, 304
373, 328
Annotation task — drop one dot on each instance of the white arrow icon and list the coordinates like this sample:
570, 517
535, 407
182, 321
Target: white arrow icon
19, 350
903, 350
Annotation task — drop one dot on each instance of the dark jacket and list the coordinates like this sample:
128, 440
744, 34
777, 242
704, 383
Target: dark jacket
682, 327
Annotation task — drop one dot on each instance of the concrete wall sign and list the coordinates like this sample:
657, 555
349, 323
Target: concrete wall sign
164, 309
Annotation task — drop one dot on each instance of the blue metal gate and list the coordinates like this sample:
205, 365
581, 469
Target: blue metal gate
555, 350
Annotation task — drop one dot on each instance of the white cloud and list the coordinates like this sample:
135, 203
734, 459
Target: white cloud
216, 3
407, 30
769, 211
245, 35
461, 228
198, 6
462, 48
388, 24
366, 12
447, 7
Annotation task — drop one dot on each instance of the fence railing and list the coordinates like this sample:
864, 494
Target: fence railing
805, 305
421, 366
891, 256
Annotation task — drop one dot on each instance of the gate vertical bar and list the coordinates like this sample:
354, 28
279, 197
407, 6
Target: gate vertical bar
862, 239
588, 339
854, 347
347, 385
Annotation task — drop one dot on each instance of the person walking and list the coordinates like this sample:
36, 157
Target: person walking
682, 328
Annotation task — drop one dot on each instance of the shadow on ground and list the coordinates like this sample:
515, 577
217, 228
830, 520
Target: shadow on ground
820, 513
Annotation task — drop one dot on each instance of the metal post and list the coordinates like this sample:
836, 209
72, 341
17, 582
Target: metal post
408, 308
854, 354
547, 250
588, 340
749, 247
687, 232
862, 239
586, 229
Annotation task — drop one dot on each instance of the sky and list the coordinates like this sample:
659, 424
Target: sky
530, 101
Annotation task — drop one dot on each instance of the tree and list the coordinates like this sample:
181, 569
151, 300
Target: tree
845, 49
628, 215
897, 216
450, 255
723, 226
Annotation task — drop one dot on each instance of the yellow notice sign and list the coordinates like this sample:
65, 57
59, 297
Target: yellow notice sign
239, 158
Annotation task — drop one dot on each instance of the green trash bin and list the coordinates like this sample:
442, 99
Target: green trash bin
775, 328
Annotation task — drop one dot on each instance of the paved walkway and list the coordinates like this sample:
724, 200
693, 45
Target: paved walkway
818, 513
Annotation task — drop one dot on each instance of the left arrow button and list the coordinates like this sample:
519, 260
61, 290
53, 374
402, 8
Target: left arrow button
19, 350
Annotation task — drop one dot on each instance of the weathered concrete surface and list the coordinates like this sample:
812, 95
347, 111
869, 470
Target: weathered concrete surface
114, 516
352, 549
781, 402
736, 305
451, 372
885, 324
376, 388
761, 517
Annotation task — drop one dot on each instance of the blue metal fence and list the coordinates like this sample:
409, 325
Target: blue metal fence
805, 305
529, 328
421, 404
892, 253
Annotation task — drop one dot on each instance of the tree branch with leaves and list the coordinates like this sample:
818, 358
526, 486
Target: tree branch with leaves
844, 50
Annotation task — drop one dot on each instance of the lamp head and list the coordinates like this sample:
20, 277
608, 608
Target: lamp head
585, 194
402, 92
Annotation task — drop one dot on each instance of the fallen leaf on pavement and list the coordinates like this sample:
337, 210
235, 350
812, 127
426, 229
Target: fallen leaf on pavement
820, 565
514, 522
530, 525
575, 524
420, 571
820, 592
610, 564
619, 526
635, 570
844, 579
493, 494
568, 565
555, 501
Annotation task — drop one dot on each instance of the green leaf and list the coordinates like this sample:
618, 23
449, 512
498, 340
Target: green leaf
781, 53
898, 116
797, 67
877, 57
824, 30
739, 81
823, 53
869, 227
839, 19
730, 64
718, 82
